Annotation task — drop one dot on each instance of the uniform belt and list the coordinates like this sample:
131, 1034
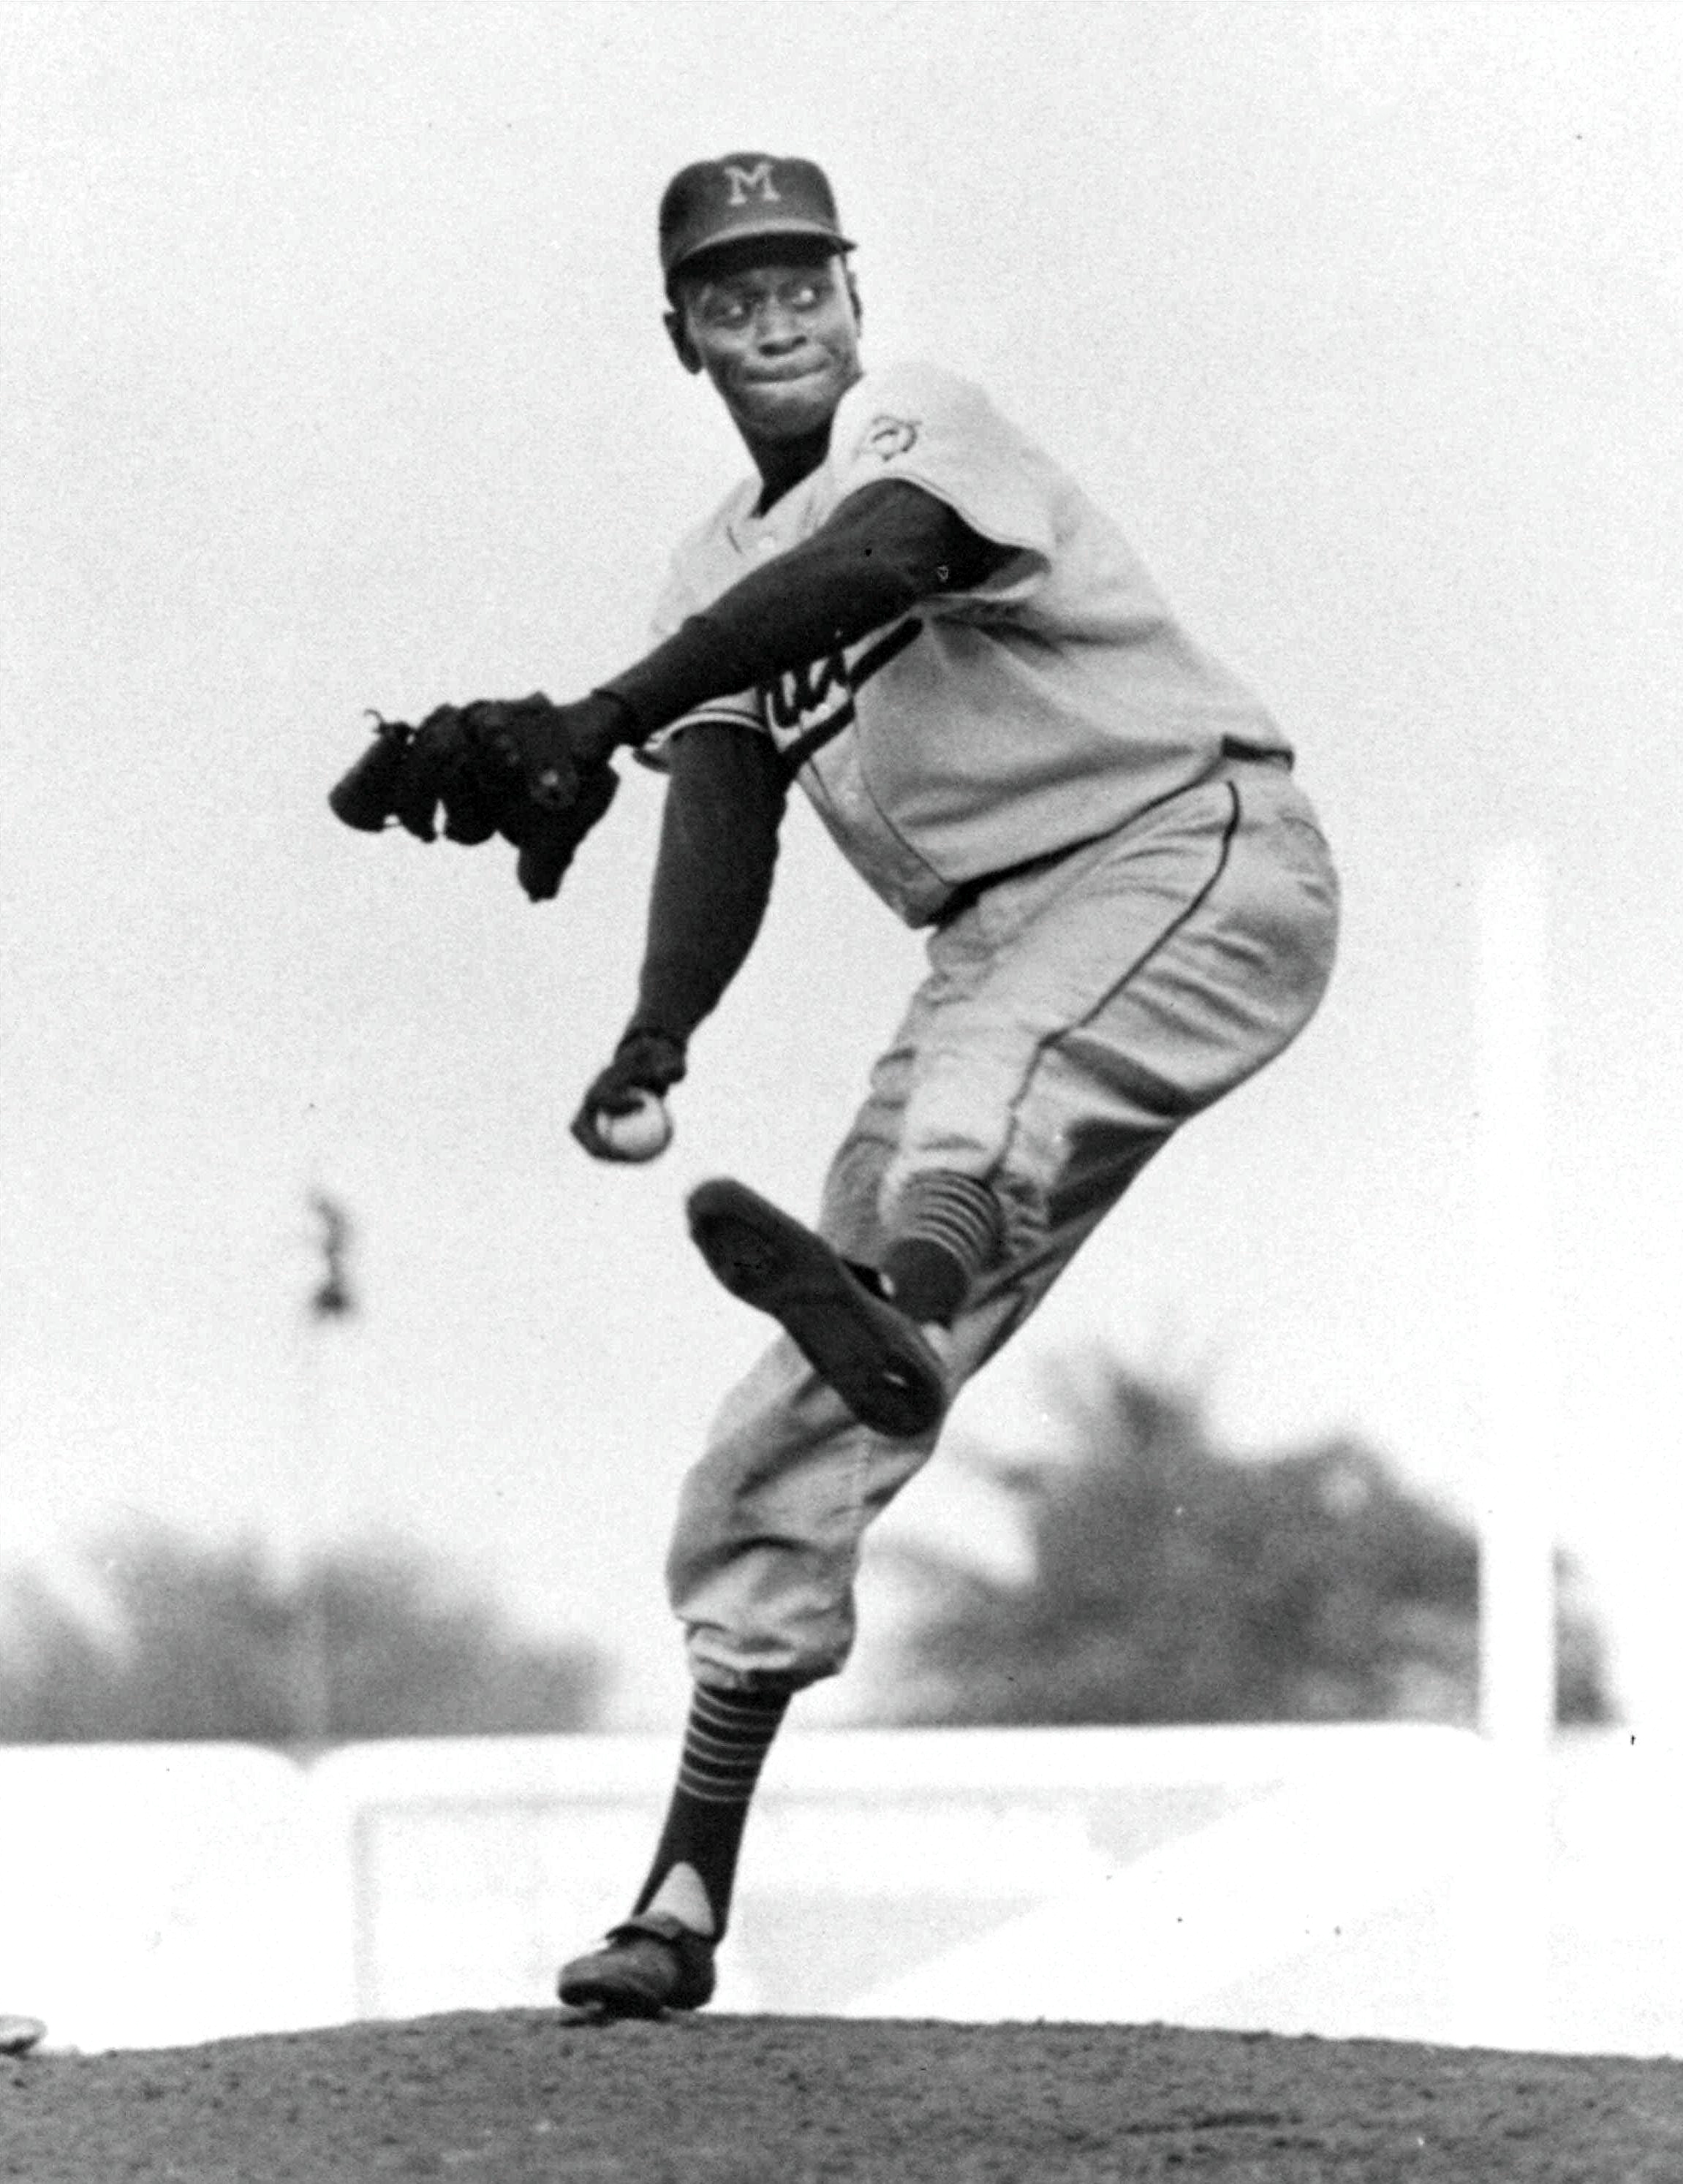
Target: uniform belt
1260, 753
970, 891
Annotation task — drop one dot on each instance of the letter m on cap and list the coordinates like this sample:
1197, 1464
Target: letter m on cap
752, 181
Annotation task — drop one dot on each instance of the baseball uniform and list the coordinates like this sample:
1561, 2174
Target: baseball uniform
1133, 910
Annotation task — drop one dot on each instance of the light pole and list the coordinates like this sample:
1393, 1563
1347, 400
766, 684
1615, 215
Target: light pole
1518, 1435
332, 1300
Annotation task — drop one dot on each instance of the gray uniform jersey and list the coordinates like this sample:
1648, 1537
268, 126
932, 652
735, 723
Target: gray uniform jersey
989, 727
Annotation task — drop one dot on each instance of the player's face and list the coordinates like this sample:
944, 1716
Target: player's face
779, 339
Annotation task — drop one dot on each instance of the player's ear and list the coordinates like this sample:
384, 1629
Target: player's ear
678, 332
853, 292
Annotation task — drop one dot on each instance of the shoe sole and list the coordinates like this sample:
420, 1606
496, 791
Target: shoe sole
597, 2000
606, 1984
873, 1357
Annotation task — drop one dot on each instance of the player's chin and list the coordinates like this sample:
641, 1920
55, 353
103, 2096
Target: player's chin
790, 409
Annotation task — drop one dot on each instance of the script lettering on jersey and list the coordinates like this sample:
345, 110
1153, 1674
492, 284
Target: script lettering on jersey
814, 702
753, 181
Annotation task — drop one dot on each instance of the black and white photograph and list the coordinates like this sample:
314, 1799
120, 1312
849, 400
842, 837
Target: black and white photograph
679, 678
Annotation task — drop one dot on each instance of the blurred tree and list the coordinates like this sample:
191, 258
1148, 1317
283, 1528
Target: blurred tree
1168, 1582
196, 1641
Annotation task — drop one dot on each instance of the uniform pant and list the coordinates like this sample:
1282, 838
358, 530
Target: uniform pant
1073, 1016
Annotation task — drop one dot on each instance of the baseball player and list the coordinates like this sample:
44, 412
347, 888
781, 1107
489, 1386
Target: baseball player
908, 609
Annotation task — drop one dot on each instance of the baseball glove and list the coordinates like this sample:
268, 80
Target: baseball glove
548, 840
643, 1062
534, 773
409, 774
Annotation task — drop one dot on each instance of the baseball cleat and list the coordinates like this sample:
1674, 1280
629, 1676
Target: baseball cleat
652, 1963
18, 2034
875, 1359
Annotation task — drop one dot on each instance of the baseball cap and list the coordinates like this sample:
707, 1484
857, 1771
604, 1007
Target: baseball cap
743, 196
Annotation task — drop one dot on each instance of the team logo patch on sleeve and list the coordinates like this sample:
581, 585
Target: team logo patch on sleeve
887, 437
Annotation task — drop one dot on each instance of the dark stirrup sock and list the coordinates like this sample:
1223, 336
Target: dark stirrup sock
725, 1742
947, 1229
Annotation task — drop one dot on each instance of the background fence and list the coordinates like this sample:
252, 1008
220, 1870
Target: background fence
1384, 1880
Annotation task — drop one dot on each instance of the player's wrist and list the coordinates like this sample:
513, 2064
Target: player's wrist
603, 722
651, 1054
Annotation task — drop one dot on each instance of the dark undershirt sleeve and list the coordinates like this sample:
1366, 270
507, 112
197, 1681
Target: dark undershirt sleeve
725, 798
886, 548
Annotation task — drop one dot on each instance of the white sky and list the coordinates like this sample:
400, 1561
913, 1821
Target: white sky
334, 379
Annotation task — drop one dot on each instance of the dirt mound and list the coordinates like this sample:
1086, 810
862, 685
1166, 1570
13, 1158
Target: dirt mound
515, 2096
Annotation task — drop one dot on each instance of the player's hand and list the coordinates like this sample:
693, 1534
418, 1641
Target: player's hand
644, 1062
545, 750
